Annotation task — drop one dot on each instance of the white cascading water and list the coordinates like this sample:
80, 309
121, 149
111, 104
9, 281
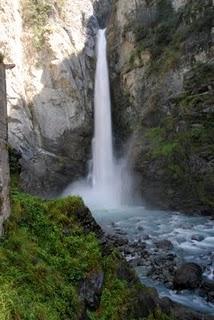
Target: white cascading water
103, 187
103, 161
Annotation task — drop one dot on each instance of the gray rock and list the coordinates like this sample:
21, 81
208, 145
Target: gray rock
181, 312
171, 256
164, 244
145, 237
207, 288
140, 228
188, 276
4, 161
91, 290
197, 237
136, 262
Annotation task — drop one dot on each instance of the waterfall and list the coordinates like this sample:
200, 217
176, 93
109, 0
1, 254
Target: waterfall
104, 186
103, 162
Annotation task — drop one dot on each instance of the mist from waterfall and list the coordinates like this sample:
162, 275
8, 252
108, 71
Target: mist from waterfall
108, 183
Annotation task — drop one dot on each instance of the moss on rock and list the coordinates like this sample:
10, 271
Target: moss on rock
180, 148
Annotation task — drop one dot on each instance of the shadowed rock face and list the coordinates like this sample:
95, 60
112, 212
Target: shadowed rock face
188, 276
102, 11
91, 290
4, 166
160, 55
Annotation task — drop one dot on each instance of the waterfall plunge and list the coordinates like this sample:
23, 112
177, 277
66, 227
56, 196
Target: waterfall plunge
103, 162
108, 183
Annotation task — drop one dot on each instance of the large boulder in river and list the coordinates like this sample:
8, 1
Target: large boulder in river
188, 276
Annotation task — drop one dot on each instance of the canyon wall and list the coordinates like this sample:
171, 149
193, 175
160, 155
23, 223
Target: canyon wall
161, 66
50, 92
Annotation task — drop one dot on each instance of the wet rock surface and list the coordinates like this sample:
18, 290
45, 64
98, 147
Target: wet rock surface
207, 288
160, 262
197, 237
164, 244
188, 276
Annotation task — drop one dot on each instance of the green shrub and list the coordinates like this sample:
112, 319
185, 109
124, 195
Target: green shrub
35, 16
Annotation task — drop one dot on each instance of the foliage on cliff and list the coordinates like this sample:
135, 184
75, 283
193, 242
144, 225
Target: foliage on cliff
183, 142
170, 35
35, 14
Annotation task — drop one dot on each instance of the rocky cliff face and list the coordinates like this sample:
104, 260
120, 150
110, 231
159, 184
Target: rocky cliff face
4, 166
50, 91
161, 63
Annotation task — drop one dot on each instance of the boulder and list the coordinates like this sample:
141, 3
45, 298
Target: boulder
208, 288
164, 244
197, 237
188, 276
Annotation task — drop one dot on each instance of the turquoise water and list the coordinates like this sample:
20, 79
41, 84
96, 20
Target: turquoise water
134, 222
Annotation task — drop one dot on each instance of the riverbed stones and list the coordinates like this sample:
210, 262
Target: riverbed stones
164, 244
140, 228
145, 237
208, 289
188, 276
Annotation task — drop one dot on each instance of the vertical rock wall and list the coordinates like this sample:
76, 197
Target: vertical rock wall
161, 66
4, 167
50, 94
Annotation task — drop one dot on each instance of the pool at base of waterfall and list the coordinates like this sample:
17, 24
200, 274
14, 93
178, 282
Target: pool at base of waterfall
158, 243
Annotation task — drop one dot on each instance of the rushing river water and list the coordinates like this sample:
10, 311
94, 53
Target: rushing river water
136, 222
